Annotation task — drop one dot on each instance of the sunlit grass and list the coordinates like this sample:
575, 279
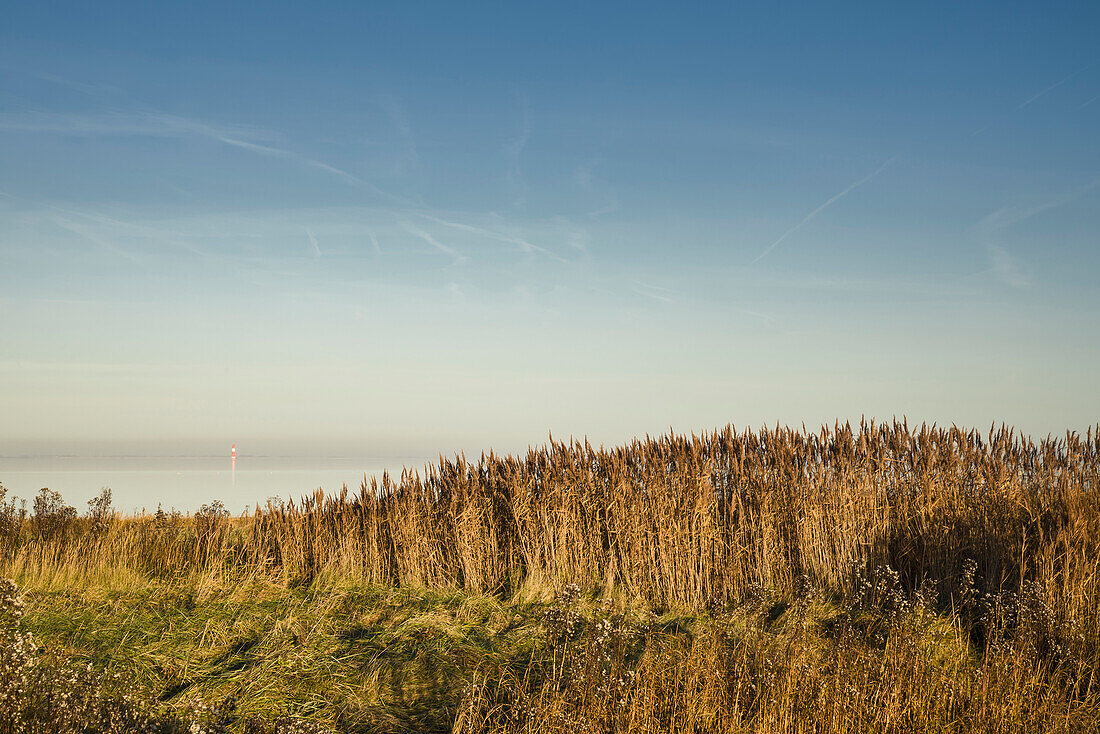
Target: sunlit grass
875, 579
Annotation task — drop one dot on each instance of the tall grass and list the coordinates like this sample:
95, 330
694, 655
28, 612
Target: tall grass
675, 520
994, 533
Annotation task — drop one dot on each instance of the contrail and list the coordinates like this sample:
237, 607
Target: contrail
312, 162
1052, 87
1037, 95
414, 230
810, 217
528, 247
280, 153
313, 243
655, 292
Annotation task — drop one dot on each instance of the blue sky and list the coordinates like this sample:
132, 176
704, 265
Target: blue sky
415, 227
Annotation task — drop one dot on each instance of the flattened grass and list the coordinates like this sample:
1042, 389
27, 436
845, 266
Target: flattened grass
358, 656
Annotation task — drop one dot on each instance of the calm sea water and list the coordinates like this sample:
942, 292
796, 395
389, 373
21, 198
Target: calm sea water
188, 482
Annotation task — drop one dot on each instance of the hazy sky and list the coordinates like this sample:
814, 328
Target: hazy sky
406, 228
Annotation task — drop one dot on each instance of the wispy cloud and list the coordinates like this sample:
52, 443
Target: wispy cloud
289, 155
108, 230
656, 292
92, 236
828, 202
97, 90
253, 139
528, 247
1008, 268
768, 319
123, 123
282, 235
427, 237
578, 240
314, 163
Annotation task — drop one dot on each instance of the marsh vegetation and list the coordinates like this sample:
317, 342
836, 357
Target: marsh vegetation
853, 579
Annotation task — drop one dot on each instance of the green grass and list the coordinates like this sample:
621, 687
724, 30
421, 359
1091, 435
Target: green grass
356, 658
359, 658
367, 657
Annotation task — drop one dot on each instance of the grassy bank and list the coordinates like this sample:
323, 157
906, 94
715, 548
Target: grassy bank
875, 579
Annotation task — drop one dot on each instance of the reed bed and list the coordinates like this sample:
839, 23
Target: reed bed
675, 520
991, 536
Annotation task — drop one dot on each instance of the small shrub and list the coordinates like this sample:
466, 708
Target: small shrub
210, 516
52, 517
100, 512
12, 517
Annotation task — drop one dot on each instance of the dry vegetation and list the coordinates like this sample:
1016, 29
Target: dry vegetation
849, 580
